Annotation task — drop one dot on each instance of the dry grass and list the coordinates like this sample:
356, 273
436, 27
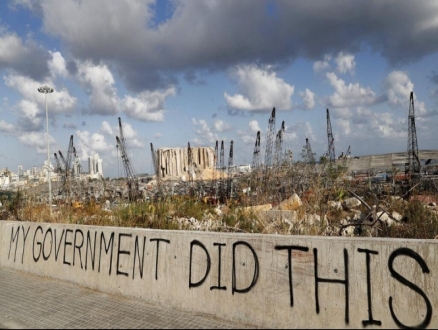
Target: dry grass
245, 213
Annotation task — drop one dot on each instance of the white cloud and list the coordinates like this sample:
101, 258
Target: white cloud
37, 140
362, 116
342, 113
60, 101
247, 139
343, 126
345, 63
31, 118
309, 131
398, 88
250, 135
99, 82
147, 106
319, 66
57, 65
7, 127
261, 90
203, 132
308, 99
106, 128
90, 144
130, 135
221, 126
386, 126
11, 47
254, 126
349, 95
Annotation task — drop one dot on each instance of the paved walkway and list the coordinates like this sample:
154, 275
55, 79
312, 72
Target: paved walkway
30, 301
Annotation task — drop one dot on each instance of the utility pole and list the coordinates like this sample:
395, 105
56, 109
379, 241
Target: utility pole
46, 90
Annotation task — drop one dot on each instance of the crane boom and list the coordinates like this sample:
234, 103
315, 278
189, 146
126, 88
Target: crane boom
256, 154
413, 160
131, 178
230, 165
58, 163
331, 145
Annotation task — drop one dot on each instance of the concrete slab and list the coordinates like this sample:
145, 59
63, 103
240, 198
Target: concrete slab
274, 281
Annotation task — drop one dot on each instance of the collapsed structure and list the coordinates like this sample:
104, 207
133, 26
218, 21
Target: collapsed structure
174, 162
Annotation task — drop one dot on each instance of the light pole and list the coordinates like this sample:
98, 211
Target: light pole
46, 89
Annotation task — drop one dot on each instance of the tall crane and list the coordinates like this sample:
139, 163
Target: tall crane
190, 166
331, 145
131, 178
414, 161
310, 159
346, 157
222, 168
279, 146
58, 164
269, 140
59, 170
70, 153
230, 165
65, 174
215, 160
256, 154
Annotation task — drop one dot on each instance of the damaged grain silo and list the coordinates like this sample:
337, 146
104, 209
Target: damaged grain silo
174, 162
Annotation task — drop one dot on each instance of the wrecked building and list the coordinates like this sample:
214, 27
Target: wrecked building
174, 162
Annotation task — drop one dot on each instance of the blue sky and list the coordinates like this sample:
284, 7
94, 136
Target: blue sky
197, 72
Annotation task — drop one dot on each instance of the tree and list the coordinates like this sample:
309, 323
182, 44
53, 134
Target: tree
323, 160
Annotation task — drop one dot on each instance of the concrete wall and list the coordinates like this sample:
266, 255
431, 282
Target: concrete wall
269, 280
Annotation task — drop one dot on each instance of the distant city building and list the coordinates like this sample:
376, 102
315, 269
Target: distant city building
4, 180
245, 168
14, 177
46, 166
77, 167
20, 170
95, 167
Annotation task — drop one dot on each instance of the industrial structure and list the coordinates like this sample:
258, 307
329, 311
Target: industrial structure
310, 158
279, 152
256, 154
413, 160
202, 171
331, 143
270, 140
174, 162
131, 178
230, 166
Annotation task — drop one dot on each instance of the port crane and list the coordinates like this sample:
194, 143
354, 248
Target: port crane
131, 178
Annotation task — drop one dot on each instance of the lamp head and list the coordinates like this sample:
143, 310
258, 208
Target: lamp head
45, 89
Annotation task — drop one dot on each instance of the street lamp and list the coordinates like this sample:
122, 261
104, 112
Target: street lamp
46, 89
